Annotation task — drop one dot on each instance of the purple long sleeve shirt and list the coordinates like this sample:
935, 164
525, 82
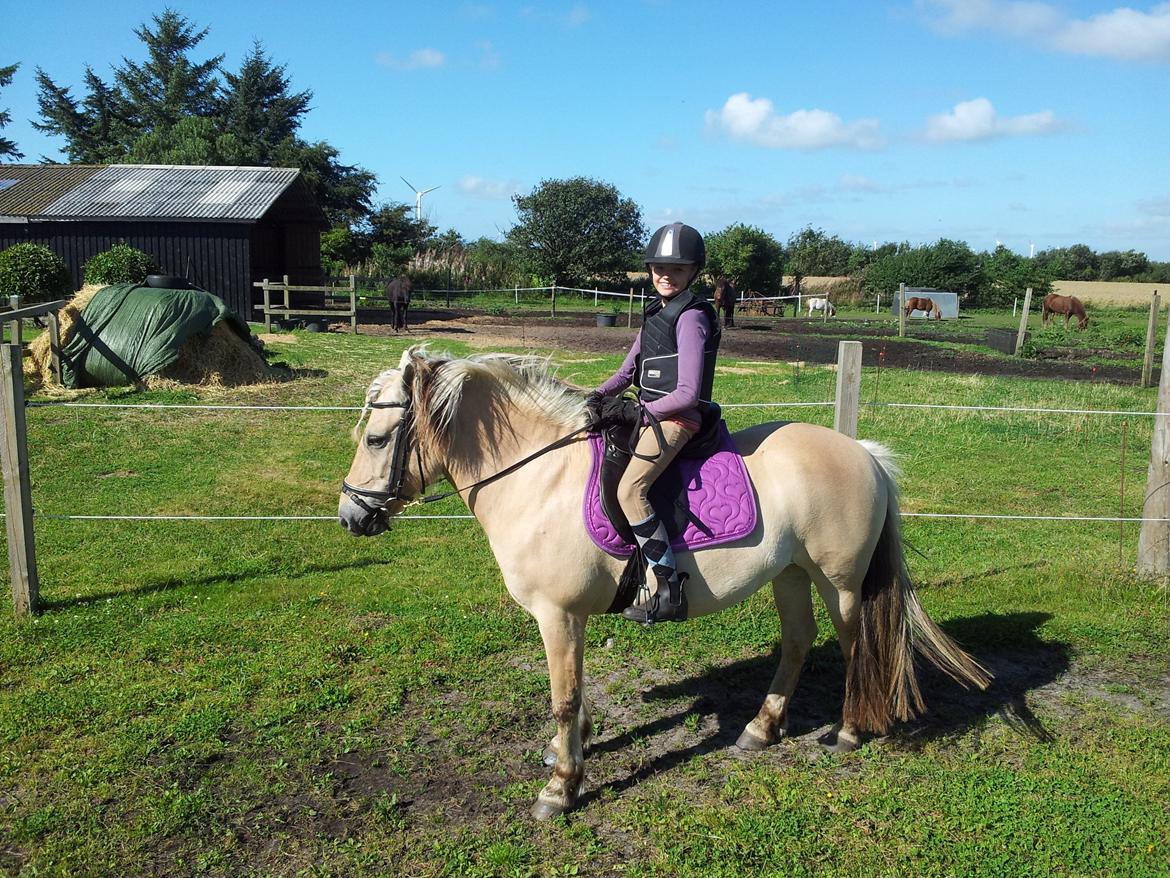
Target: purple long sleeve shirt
691, 331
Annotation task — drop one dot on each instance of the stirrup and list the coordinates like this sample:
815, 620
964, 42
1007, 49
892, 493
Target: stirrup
658, 607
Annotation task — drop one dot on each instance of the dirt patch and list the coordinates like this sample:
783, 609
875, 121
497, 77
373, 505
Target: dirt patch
786, 341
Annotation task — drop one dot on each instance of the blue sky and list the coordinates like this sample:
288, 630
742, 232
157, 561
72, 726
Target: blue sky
1026, 123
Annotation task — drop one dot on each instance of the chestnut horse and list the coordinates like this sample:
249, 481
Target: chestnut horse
510, 436
924, 304
725, 296
1069, 306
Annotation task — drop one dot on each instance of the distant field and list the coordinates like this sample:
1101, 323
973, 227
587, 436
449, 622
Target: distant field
1108, 292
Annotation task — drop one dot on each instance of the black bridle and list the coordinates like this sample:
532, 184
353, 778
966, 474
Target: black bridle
403, 433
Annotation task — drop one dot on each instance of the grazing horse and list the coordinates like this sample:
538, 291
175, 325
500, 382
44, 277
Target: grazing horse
398, 293
509, 435
725, 296
1069, 306
823, 305
925, 304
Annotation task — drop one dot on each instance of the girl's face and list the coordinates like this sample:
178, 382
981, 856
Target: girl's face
670, 280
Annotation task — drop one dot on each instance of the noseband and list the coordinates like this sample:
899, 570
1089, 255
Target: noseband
379, 500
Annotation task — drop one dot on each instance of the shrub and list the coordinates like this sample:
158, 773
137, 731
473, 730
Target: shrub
34, 272
120, 264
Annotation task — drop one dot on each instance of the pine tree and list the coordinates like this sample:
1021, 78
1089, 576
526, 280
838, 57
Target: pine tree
169, 86
258, 108
8, 147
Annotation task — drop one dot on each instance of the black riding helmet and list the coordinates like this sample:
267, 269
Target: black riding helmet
677, 244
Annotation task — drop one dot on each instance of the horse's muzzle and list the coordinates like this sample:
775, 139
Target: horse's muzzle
361, 522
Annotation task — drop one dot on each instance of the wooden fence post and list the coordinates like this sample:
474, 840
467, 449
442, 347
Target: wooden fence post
353, 304
55, 346
1153, 559
22, 555
553, 310
1023, 321
901, 310
630, 311
267, 308
878, 309
848, 388
1151, 331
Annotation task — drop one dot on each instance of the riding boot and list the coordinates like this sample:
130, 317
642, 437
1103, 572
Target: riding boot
668, 603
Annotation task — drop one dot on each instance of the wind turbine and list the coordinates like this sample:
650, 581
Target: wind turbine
418, 194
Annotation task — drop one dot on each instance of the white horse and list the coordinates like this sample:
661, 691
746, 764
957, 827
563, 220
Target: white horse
821, 305
510, 436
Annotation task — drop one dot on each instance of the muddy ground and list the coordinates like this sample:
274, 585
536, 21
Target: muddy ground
791, 340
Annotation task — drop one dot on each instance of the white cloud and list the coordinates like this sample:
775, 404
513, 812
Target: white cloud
755, 121
488, 190
419, 59
489, 58
978, 120
1123, 34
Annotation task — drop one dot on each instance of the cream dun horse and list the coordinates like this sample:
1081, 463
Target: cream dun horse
828, 519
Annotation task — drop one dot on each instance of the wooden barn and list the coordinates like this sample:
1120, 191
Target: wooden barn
220, 227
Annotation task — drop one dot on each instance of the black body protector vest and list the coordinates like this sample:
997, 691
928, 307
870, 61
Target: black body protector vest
656, 369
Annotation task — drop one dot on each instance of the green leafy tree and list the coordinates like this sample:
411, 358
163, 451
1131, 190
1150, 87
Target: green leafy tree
34, 272
813, 252
1009, 275
1117, 264
944, 265
1078, 262
862, 257
8, 147
752, 258
578, 229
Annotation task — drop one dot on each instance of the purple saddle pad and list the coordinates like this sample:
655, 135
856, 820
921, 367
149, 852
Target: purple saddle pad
718, 489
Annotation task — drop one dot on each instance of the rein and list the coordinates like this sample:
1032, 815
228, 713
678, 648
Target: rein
397, 475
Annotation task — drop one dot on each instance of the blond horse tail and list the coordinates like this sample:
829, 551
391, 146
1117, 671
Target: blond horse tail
881, 684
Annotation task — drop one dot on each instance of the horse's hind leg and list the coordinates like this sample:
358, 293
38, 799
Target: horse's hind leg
798, 630
841, 595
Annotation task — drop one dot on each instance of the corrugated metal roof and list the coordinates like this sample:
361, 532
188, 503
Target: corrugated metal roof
38, 186
172, 192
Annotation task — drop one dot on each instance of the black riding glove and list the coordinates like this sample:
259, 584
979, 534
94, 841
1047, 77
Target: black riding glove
593, 403
619, 411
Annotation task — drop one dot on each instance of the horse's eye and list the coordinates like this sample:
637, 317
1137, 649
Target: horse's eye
376, 441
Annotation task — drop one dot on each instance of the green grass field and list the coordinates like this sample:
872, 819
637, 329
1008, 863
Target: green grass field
278, 698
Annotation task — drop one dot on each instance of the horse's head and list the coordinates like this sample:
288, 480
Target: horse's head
387, 470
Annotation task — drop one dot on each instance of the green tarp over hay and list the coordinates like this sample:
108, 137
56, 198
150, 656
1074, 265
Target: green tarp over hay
129, 331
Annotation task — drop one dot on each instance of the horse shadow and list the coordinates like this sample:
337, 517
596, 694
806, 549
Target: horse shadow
1006, 644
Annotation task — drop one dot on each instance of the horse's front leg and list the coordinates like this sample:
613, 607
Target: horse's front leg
564, 645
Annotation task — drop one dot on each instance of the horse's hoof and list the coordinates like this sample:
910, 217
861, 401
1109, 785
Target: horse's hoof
748, 741
543, 810
836, 742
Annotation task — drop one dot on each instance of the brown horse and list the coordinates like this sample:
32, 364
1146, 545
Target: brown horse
725, 297
398, 293
925, 305
1069, 306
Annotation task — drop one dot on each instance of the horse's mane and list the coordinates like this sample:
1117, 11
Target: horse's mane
438, 382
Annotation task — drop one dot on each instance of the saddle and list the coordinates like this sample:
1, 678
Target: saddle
704, 498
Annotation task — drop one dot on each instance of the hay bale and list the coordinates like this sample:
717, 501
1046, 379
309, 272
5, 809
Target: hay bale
38, 365
219, 358
216, 358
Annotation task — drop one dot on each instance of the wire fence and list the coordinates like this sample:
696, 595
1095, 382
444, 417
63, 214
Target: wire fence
775, 404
